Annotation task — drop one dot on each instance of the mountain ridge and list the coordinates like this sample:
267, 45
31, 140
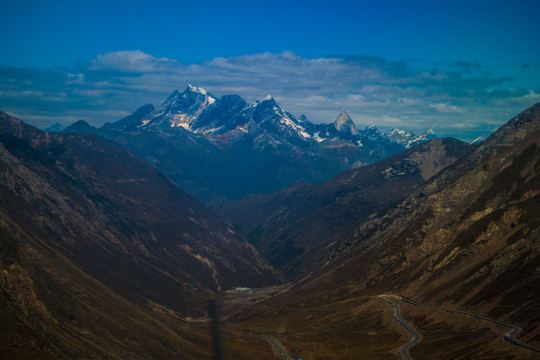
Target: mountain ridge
224, 148
77, 185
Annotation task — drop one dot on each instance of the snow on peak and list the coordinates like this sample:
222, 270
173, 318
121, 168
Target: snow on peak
478, 140
196, 89
396, 131
268, 97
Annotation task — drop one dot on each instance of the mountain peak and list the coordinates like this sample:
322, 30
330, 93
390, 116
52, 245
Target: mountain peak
196, 89
191, 92
80, 127
345, 124
372, 132
267, 98
56, 127
268, 102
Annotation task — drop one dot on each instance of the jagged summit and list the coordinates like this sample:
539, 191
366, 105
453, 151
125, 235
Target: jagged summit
408, 138
196, 89
192, 94
173, 95
302, 118
344, 123
181, 109
372, 132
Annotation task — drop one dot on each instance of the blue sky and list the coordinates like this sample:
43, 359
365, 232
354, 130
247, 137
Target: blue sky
460, 67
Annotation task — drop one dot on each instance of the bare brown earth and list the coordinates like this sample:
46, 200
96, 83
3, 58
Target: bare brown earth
465, 240
102, 256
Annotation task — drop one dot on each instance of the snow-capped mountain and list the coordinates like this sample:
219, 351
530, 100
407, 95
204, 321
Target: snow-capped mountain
199, 112
230, 117
181, 109
224, 148
408, 138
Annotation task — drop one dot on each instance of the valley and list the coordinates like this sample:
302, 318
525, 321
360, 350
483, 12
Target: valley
431, 253
256, 180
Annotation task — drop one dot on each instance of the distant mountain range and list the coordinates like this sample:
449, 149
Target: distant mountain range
226, 148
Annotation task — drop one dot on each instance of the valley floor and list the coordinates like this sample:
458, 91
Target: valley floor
362, 327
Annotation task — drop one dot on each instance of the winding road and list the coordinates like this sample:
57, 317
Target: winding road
510, 336
281, 351
403, 350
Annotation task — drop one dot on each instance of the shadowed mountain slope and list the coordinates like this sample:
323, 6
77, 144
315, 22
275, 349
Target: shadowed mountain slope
92, 233
296, 229
471, 233
466, 241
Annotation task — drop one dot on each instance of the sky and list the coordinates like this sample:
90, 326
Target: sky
462, 68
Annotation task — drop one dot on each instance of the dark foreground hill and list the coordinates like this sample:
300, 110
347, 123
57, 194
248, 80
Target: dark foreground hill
296, 229
93, 239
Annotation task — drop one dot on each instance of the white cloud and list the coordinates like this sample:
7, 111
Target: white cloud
132, 61
446, 108
373, 89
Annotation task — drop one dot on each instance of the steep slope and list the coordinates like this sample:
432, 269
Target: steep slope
463, 246
119, 220
470, 231
51, 309
296, 229
131, 121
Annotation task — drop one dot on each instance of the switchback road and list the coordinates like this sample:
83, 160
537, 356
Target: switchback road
404, 350
510, 336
